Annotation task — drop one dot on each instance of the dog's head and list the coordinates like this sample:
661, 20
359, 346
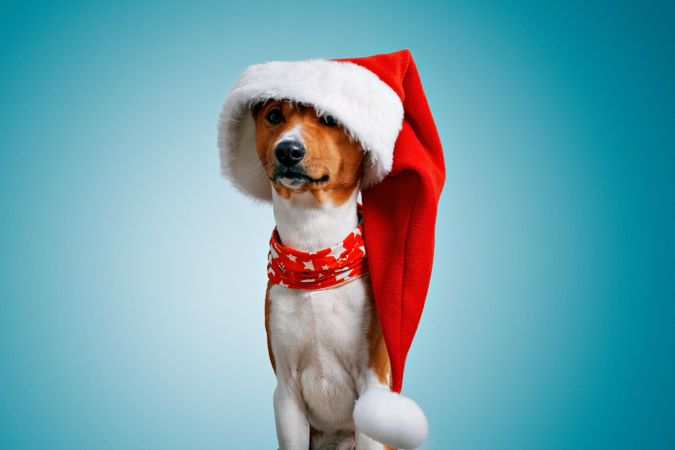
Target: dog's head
302, 151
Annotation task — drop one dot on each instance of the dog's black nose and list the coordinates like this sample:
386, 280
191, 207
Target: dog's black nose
289, 153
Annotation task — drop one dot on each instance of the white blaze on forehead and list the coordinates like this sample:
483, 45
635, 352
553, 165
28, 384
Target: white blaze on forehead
293, 134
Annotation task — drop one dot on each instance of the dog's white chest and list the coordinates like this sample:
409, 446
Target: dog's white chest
319, 341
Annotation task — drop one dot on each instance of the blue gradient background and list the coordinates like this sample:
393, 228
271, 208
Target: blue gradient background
132, 276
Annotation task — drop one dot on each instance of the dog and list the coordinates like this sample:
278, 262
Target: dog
348, 154
325, 346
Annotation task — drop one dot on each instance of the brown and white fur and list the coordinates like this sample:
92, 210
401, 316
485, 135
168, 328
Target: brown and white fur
325, 346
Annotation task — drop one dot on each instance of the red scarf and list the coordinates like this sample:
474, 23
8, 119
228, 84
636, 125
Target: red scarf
322, 269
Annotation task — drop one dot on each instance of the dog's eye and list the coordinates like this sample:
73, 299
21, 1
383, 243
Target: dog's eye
328, 121
274, 116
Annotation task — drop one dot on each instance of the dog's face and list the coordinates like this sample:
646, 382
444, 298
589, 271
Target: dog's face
302, 151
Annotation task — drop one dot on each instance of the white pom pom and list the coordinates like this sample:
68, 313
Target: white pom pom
390, 419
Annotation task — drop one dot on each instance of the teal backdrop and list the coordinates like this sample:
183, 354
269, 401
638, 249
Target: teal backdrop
132, 275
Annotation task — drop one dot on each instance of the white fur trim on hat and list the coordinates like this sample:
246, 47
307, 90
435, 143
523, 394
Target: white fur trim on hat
366, 106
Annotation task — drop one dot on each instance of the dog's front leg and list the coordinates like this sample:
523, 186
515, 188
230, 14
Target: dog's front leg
290, 417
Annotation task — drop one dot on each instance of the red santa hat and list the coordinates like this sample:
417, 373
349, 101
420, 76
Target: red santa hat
380, 102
